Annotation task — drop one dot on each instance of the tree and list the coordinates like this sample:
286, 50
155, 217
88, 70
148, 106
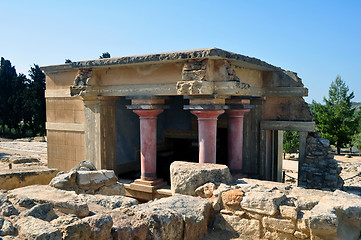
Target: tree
36, 101
290, 141
105, 55
337, 120
68, 61
356, 141
7, 77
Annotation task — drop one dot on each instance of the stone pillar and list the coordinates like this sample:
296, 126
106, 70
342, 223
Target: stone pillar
207, 133
235, 139
148, 142
100, 131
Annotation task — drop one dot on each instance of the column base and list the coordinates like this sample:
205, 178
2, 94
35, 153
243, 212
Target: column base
147, 186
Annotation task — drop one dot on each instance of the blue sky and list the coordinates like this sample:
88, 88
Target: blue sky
316, 39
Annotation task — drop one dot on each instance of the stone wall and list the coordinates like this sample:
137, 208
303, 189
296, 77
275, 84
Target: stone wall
319, 170
254, 209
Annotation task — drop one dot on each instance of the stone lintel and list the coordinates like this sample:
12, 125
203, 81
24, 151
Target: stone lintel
72, 127
205, 107
147, 106
289, 125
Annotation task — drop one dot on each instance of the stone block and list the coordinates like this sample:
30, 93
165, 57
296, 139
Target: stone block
196, 213
241, 226
232, 199
42, 211
288, 212
279, 225
300, 235
323, 219
64, 180
96, 179
72, 228
6, 227
100, 225
115, 189
128, 227
263, 202
109, 202
34, 228
186, 177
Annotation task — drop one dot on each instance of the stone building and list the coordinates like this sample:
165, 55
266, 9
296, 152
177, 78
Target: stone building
143, 112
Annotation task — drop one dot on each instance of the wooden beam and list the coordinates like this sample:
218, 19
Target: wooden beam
289, 125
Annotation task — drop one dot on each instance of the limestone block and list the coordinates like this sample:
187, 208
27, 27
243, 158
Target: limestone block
288, 212
72, 227
186, 177
6, 227
163, 223
8, 209
278, 236
206, 190
128, 227
323, 220
115, 189
96, 179
84, 166
196, 213
34, 228
279, 225
263, 202
64, 180
100, 225
65, 201
110, 202
244, 227
232, 199
42, 211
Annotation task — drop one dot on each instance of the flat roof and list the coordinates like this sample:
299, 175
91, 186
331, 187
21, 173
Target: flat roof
160, 58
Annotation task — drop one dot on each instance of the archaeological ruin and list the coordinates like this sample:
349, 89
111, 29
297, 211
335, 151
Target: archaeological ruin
141, 113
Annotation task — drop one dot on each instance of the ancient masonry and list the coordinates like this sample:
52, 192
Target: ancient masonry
141, 113
319, 169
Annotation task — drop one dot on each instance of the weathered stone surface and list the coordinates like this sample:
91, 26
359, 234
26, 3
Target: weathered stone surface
65, 201
232, 199
323, 220
196, 213
110, 202
34, 228
303, 221
186, 177
206, 190
42, 211
163, 223
116, 189
300, 235
8, 209
242, 226
263, 202
128, 227
64, 180
72, 228
288, 212
96, 179
279, 225
278, 235
101, 226
6, 227
24, 202
84, 166
23, 159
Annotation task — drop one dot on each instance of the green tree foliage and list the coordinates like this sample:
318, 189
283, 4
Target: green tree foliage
290, 141
68, 61
356, 141
8, 81
22, 100
36, 100
337, 120
105, 55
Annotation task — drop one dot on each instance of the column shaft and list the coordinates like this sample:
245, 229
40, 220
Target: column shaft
207, 133
148, 142
235, 138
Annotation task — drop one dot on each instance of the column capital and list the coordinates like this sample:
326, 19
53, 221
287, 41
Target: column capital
207, 114
148, 113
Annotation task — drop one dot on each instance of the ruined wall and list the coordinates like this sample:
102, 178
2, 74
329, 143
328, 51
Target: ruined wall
319, 170
64, 122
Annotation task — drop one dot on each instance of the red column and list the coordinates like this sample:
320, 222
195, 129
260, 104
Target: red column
148, 142
207, 132
235, 138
